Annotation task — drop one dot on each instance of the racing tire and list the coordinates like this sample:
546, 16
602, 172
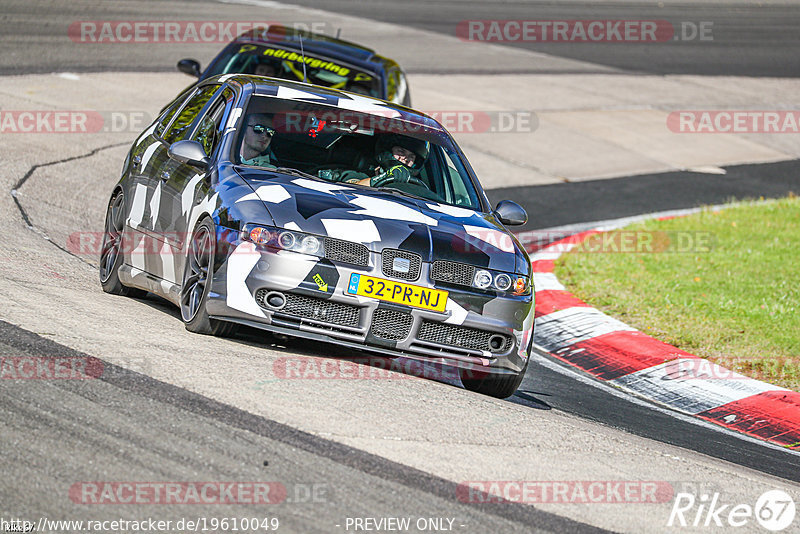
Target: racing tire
111, 256
492, 384
197, 275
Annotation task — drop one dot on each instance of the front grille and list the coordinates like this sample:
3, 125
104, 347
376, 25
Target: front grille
414, 264
312, 308
453, 272
346, 251
390, 324
460, 336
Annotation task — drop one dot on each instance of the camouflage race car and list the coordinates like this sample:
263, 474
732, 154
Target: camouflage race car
276, 52
315, 213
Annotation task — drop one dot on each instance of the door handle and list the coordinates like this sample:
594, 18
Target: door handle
164, 176
137, 159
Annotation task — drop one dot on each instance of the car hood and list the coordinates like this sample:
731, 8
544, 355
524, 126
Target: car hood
385, 220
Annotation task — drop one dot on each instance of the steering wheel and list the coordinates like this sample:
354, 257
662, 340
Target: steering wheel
411, 180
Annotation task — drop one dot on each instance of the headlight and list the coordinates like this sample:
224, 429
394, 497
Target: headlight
287, 240
502, 282
310, 244
282, 239
483, 279
498, 281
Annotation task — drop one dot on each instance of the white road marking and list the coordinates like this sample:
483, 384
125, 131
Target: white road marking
688, 392
564, 328
547, 282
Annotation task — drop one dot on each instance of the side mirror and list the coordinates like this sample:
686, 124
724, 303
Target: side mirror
511, 213
189, 152
190, 67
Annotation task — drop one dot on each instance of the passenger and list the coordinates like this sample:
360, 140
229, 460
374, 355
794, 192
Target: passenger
265, 69
360, 88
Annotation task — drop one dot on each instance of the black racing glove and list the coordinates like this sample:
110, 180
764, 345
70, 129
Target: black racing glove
398, 174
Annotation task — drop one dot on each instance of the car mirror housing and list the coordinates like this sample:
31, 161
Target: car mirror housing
190, 67
189, 152
511, 213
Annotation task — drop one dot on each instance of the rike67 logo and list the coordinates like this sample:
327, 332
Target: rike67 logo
774, 510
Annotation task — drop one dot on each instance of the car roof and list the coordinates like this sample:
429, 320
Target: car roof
316, 44
261, 85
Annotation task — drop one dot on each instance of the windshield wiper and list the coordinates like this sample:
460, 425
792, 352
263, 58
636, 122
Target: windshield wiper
295, 172
401, 192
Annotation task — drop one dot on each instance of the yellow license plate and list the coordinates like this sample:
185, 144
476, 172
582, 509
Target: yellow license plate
390, 291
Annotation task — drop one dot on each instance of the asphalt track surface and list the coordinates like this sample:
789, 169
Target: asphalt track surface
600, 200
216, 443
546, 388
241, 443
748, 38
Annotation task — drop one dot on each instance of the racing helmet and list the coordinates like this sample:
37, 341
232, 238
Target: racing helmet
383, 151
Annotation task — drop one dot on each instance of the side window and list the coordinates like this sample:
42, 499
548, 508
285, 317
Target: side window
167, 115
402, 90
210, 130
392, 85
463, 193
180, 126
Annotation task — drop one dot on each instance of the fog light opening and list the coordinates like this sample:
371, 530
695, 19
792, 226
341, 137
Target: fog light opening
497, 342
275, 300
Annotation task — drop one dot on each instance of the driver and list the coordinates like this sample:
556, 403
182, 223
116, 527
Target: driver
399, 159
258, 134
265, 69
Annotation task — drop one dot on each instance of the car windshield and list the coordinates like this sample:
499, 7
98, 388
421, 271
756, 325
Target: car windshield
283, 63
380, 149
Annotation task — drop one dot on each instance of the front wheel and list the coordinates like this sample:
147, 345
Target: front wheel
111, 256
197, 275
492, 384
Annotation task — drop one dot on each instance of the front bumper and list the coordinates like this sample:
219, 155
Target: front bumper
483, 331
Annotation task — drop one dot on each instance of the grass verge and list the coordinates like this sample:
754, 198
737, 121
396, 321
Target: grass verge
720, 284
